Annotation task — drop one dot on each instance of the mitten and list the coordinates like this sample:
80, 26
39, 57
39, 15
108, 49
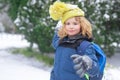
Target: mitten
82, 64
58, 26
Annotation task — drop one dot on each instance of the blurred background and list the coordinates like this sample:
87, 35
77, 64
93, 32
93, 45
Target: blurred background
26, 32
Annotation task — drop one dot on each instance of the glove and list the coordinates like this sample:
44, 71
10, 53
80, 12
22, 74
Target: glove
58, 26
82, 64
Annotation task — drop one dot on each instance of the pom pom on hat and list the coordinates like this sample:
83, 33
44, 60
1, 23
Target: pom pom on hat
57, 9
61, 11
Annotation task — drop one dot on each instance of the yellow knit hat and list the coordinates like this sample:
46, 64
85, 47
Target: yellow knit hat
61, 11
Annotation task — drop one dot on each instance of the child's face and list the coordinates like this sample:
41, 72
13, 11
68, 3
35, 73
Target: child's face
72, 26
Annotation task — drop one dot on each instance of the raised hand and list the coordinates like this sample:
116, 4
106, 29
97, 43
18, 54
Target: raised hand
82, 64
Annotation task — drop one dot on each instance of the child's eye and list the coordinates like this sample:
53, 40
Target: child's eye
75, 23
67, 23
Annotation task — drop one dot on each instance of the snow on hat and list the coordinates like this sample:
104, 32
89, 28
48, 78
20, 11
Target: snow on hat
61, 11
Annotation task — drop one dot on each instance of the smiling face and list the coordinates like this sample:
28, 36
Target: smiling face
72, 26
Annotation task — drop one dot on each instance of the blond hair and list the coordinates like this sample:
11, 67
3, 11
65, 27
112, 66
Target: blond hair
85, 28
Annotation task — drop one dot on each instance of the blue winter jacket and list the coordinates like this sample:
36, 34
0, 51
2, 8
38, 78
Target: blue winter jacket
63, 64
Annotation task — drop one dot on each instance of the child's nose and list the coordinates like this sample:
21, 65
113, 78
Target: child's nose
71, 26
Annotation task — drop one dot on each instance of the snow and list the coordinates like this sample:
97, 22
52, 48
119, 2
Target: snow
13, 70
18, 67
112, 74
12, 40
14, 67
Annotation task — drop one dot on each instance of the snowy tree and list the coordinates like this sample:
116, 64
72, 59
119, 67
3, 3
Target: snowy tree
105, 18
34, 22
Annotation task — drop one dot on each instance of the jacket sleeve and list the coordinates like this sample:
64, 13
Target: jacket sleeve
52, 76
90, 51
55, 41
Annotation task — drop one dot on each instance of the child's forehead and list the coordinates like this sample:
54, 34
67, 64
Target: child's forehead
73, 19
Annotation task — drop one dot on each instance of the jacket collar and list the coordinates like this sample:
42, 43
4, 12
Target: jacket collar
73, 39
